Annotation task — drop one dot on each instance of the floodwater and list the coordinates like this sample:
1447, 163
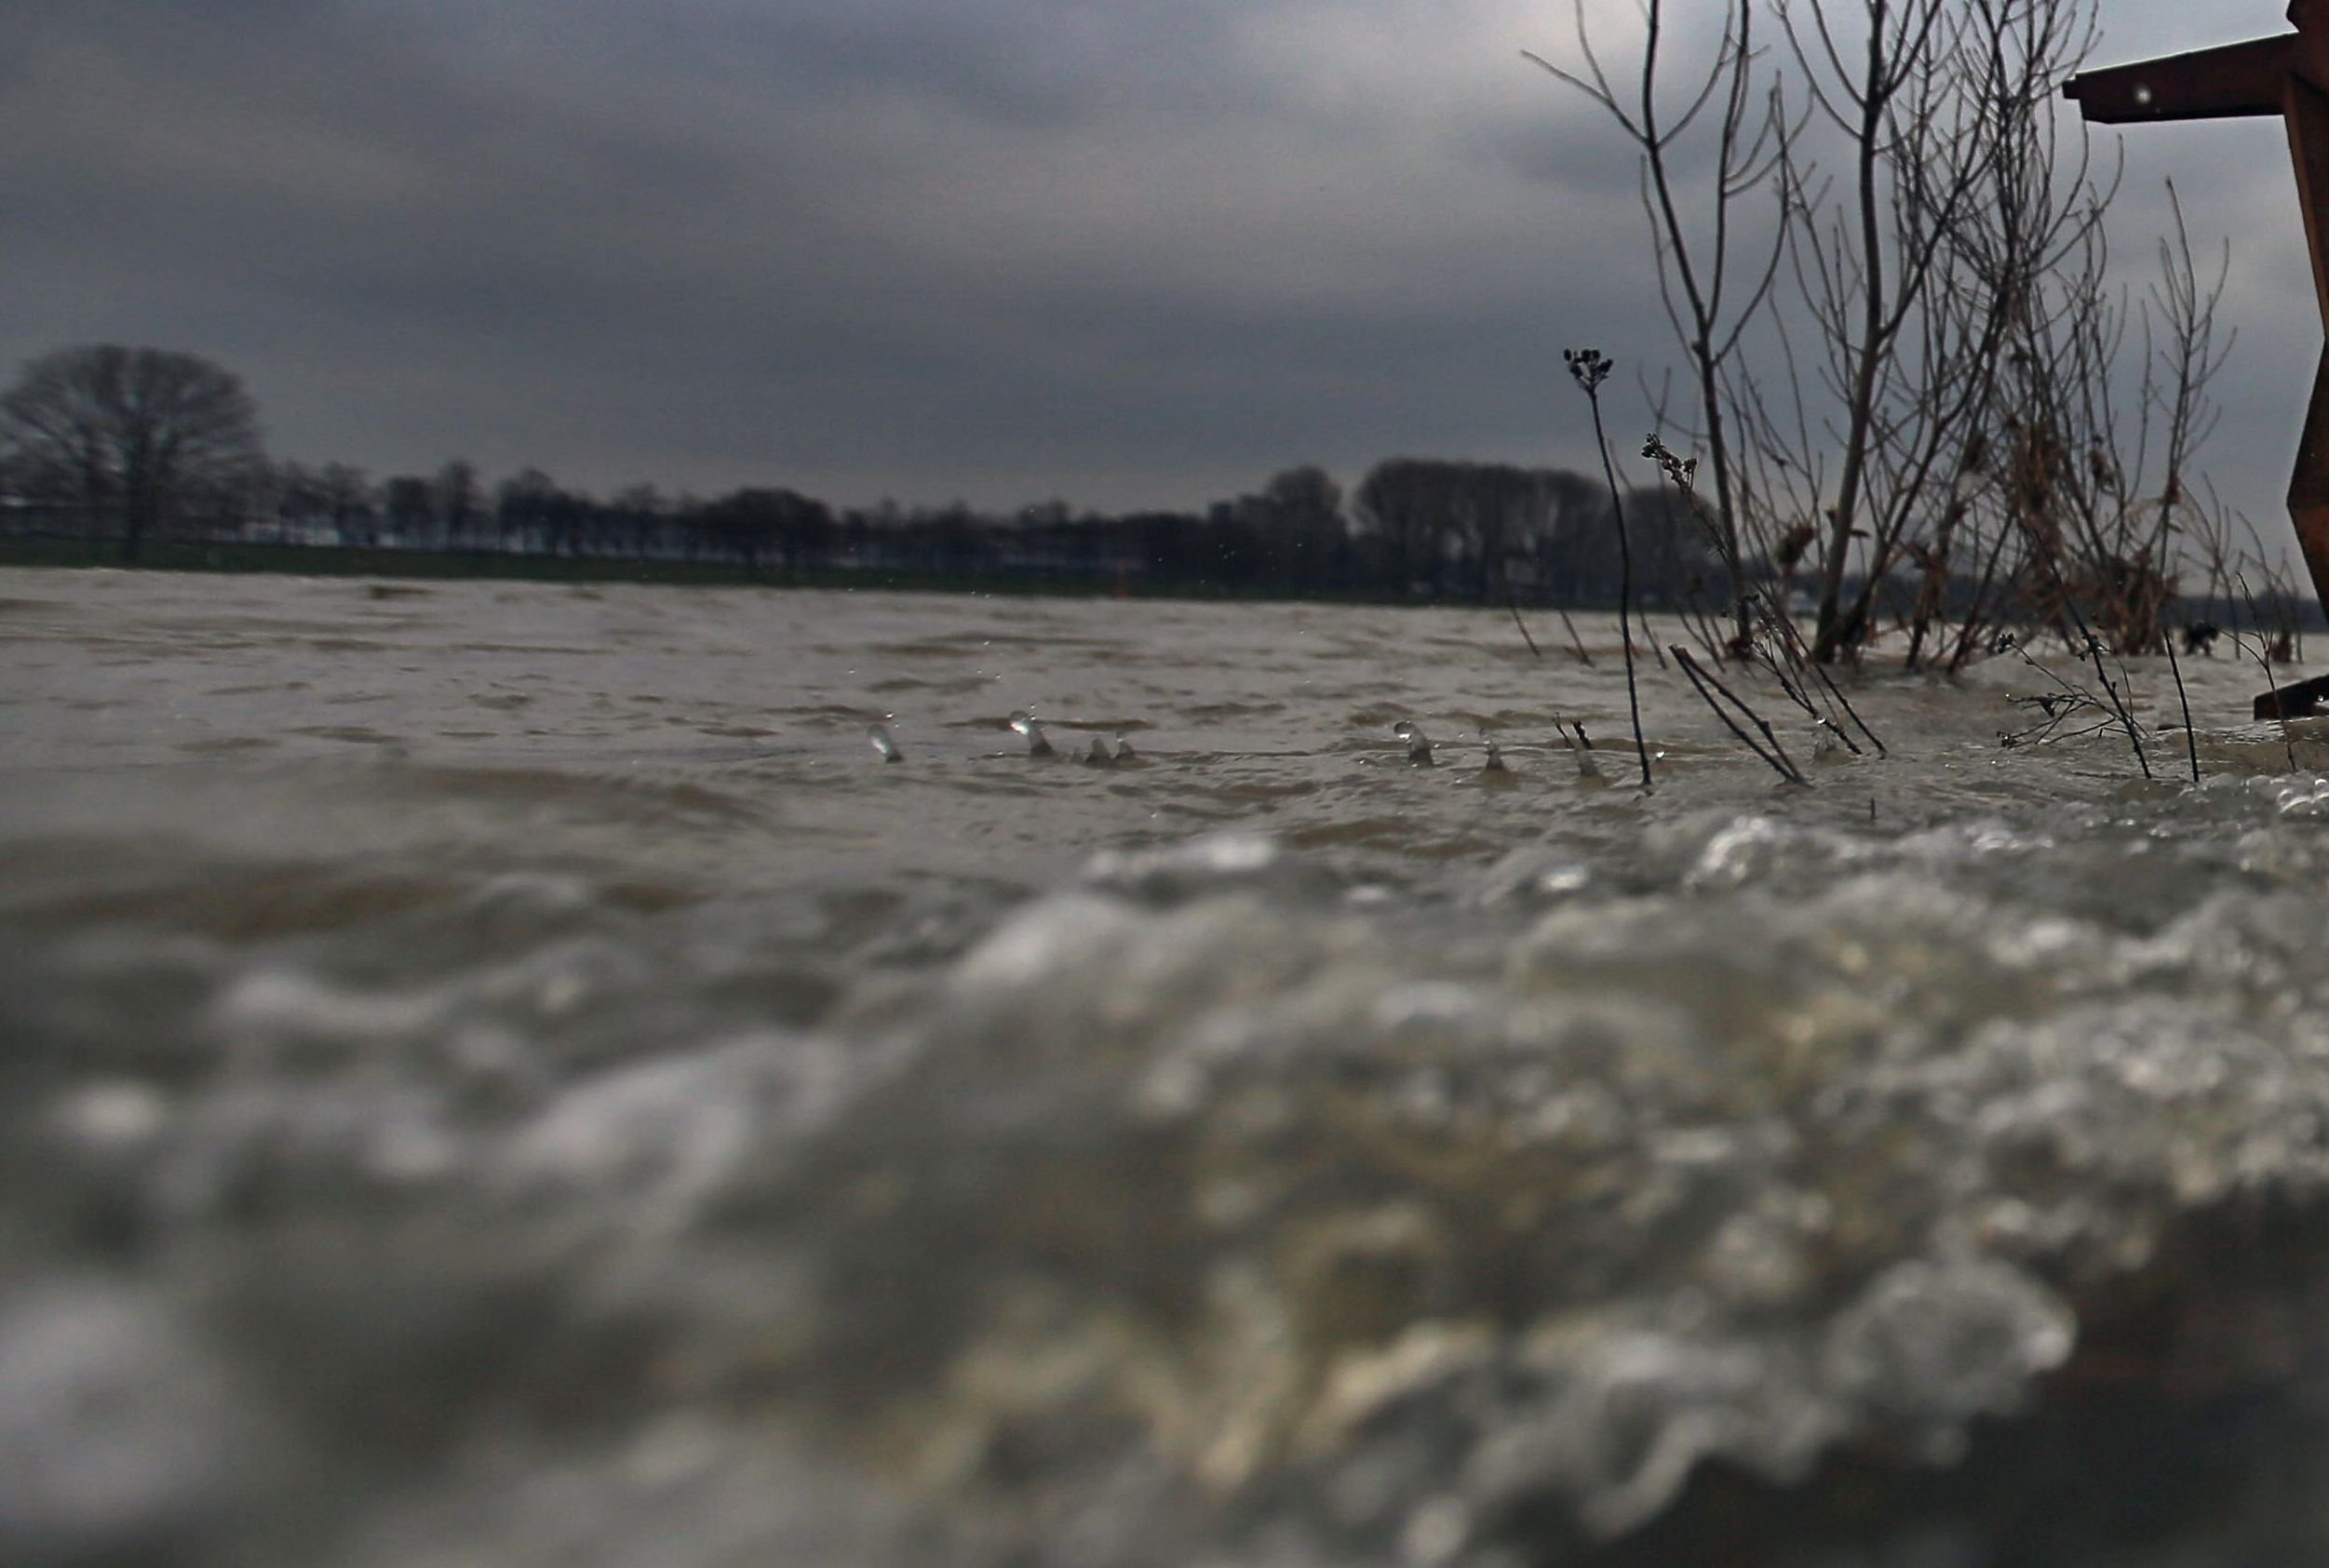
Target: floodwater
508, 1074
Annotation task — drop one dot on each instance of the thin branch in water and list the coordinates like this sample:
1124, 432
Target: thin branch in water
2055, 710
1776, 756
1784, 630
2191, 742
1590, 368
2057, 706
2126, 719
1576, 643
2010, 741
1514, 605
2288, 738
1854, 712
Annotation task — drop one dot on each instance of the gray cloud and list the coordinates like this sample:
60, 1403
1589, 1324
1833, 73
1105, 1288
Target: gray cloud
1131, 252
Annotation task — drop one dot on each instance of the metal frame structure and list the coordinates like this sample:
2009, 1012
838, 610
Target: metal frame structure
2285, 75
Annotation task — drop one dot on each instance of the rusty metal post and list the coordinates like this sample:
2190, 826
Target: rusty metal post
2287, 75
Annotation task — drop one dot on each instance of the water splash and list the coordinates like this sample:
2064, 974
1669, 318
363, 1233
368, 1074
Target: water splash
1580, 747
1492, 764
1027, 724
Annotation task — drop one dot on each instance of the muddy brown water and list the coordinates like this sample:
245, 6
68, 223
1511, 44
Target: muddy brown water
507, 1074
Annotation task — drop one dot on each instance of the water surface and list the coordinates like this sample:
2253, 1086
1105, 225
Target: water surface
508, 1073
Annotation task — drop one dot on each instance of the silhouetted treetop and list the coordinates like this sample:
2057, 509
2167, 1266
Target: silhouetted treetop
138, 435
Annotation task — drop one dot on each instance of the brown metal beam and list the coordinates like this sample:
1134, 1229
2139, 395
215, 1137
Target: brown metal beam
2231, 80
2309, 487
2306, 108
2288, 76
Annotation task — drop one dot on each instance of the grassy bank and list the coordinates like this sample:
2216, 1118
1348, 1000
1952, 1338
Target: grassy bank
328, 560
318, 560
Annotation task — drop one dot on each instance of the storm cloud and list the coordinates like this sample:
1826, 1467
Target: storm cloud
1132, 252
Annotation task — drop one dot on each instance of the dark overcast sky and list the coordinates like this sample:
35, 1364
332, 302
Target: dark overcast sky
1124, 251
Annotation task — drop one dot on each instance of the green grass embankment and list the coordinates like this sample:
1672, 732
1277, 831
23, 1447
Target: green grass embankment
332, 560
327, 560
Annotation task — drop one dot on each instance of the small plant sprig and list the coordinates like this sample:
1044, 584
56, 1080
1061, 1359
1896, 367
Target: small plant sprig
1589, 367
1514, 605
2054, 709
1683, 474
1781, 633
1683, 471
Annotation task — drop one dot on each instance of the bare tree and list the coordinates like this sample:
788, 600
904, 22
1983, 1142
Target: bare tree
300, 498
2101, 490
410, 502
459, 499
1927, 272
2021, 267
1888, 77
2184, 355
1711, 291
2021, 260
138, 435
350, 500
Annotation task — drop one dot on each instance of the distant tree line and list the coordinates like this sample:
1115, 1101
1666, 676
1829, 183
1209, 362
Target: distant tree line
136, 444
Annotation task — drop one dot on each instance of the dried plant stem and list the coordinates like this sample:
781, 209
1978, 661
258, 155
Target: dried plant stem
2118, 703
2191, 742
1590, 369
1776, 754
1785, 632
1514, 605
1575, 642
1853, 713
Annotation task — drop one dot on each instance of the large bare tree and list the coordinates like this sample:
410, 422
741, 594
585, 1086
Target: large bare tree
139, 436
1924, 277
1937, 406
